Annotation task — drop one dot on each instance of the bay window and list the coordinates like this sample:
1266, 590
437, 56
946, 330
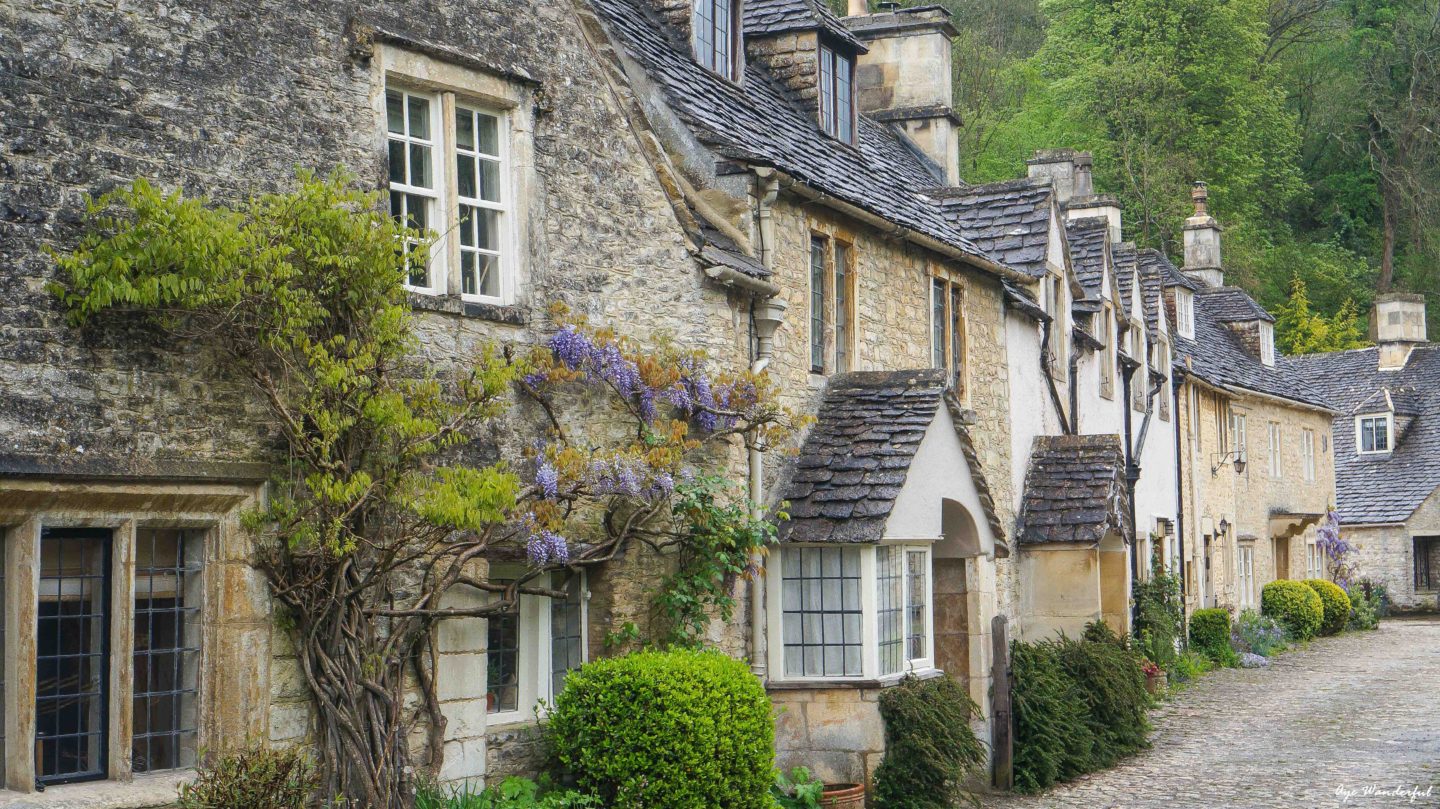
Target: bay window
852, 612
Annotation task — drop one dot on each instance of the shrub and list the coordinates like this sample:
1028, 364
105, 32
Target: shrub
512, 793
798, 790
1159, 616
1295, 606
677, 728
930, 750
1367, 604
1334, 604
1053, 740
1113, 688
254, 777
1190, 665
1210, 635
1258, 634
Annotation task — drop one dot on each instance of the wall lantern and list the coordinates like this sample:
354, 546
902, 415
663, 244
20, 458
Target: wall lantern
1236, 457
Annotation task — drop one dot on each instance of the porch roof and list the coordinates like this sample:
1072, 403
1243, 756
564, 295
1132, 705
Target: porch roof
1075, 490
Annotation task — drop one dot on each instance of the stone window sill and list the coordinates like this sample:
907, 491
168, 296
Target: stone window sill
144, 792
510, 315
888, 681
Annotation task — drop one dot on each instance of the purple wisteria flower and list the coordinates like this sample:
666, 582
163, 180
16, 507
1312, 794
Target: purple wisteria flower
547, 547
547, 479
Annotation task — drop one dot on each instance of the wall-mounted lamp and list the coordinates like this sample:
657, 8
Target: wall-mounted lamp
1236, 457
1224, 526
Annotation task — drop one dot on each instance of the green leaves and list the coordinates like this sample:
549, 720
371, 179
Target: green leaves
468, 498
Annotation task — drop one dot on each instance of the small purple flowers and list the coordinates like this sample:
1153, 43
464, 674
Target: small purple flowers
547, 479
547, 547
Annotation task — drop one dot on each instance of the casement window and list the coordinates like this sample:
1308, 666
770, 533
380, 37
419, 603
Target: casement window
837, 94
1224, 424
1372, 433
1314, 561
717, 31
1427, 563
449, 169
852, 612
530, 651
1107, 353
1245, 574
1185, 313
1053, 302
1307, 454
1267, 343
1240, 434
947, 331
1277, 466
832, 305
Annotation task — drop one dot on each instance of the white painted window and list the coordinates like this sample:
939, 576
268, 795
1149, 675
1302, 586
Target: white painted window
1185, 313
1267, 343
1307, 454
947, 330
1241, 435
852, 612
716, 26
1162, 366
1372, 433
1107, 354
1245, 574
1314, 561
1277, 466
837, 94
529, 651
453, 176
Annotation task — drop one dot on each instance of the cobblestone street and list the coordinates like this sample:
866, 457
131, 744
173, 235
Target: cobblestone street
1349, 713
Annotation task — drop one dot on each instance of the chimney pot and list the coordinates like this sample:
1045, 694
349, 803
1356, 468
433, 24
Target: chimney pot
1200, 193
1202, 241
858, 8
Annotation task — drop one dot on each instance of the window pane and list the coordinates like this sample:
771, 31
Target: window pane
957, 337
397, 161
916, 632
817, 304
502, 672
420, 165
827, 90
722, 37
465, 176
72, 634
490, 180
464, 129
489, 130
419, 118
417, 209
843, 113
842, 308
937, 323
567, 631
889, 603
394, 112
821, 627
167, 648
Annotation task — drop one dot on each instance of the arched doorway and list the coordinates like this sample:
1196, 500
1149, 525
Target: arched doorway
958, 559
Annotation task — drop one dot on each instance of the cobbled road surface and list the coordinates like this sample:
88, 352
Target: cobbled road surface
1348, 721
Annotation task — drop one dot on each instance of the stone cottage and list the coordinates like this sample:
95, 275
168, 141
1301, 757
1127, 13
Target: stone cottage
1387, 448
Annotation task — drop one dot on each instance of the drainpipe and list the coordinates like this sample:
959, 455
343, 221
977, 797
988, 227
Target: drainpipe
1050, 380
1132, 472
1074, 388
1179, 497
766, 314
1128, 367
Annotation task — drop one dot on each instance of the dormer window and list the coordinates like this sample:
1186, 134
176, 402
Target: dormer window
1267, 343
1185, 313
837, 94
717, 36
1372, 433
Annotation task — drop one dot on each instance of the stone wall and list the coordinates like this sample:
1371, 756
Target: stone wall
1387, 554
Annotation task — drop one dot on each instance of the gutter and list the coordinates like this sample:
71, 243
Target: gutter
766, 312
915, 237
731, 277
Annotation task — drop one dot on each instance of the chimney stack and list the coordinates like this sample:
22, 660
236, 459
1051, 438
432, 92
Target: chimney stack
1202, 242
905, 78
858, 8
1064, 168
1397, 325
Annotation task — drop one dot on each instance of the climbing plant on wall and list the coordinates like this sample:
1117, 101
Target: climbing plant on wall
387, 495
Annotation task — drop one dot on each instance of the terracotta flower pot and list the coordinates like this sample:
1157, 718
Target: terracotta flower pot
1155, 683
843, 796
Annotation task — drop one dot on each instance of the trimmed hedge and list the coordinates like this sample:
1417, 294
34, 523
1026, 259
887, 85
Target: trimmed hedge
677, 728
1335, 604
1296, 606
1210, 631
930, 750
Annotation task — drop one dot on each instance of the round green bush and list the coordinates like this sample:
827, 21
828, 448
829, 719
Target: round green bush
677, 728
1293, 604
1210, 631
1334, 602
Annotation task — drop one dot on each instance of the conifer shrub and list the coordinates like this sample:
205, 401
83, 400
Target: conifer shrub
1113, 687
1210, 635
1296, 606
929, 747
1334, 603
676, 728
1053, 740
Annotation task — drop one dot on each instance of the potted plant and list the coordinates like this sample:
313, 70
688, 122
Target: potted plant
801, 790
1155, 679
843, 796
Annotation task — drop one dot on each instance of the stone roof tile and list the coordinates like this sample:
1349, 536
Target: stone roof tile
1075, 490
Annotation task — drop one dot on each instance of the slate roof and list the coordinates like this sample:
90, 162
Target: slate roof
1388, 487
1075, 490
1087, 252
1217, 356
855, 460
723, 250
1126, 260
762, 17
1232, 305
1152, 290
758, 122
1009, 220
1170, 275
1023, 302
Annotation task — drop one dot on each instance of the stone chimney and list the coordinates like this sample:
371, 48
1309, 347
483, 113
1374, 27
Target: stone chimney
1202, 242
1068, 169
1397, 325
905, 78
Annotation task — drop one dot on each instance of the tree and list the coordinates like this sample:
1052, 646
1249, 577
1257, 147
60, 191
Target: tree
388, 497
1298, 330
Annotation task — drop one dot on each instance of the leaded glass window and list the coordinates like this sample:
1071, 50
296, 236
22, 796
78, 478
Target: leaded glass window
890, 608
817, 304
837, 94
843, 311
822, 612
72, 642
167, 648
567, 630
916, 597
716, 34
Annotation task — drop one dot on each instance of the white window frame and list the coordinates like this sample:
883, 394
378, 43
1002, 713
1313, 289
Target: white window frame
869, 619
1267, 343
1185, 313
1389, 422
1314, 561
536, 635
1307, 454
1245, 573
506, 248
436, 217
1277, 449
1241, 437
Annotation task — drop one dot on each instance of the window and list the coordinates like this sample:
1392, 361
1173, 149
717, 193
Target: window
1427, 563
1185, 313
832, 305
72, 663
717, 33
1107, 352
947, 330
1307, 454
834, 600
1267, 343
1141, 380
1372, 433
1162, 366
1240, 434
1277, 468
1054, 305
837, 94
1314, 561
167, 650
1245, 574
530, 650
473, 201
